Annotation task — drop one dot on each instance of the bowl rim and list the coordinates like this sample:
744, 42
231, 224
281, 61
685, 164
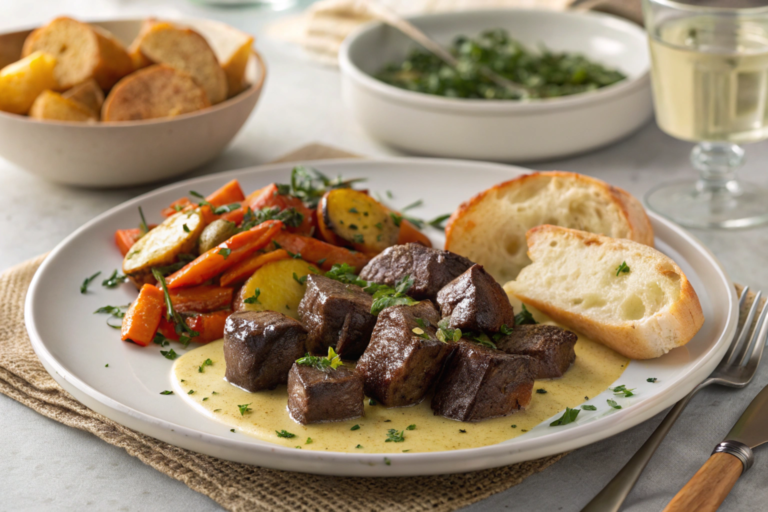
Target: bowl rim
255, 88
499, 107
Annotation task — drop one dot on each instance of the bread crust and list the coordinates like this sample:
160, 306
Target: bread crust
53, 106
671, 327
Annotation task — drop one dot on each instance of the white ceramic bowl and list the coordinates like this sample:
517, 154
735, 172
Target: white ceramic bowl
496, 129
131, 152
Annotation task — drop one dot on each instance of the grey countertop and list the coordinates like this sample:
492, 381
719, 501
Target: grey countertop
47, 466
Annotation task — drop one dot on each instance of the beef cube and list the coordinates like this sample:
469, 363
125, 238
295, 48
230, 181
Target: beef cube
260, 347
336, 315
315, 395
476, 302
550, 346
404, 357
431, 269
480, 383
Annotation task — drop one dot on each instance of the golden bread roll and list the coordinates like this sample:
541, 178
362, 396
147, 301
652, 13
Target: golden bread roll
88, 94
53, 106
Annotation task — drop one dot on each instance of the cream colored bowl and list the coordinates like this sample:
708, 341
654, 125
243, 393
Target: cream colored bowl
501, 129
126, 153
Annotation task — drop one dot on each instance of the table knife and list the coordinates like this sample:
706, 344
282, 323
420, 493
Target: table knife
730, 459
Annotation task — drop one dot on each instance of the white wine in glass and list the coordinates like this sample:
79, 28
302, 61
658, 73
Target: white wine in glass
710, 86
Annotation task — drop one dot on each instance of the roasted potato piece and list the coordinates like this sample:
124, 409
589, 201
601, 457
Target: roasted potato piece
24, 80
88, 94
214, 233
52, 105
162, 245
278, 289
359, 220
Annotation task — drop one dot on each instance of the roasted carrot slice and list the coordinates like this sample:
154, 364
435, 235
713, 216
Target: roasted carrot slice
316, 251
125, 238
229, 193
142, 318
246, 268
410, 233
269, 197
201, 299
177, 206
224, 256
209, 325
167, 329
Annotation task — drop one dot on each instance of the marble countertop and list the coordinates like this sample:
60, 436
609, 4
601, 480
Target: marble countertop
47, 466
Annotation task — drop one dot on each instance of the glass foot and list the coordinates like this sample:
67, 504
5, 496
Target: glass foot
695, 204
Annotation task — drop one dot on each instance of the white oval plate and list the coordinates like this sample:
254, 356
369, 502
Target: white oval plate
75, 345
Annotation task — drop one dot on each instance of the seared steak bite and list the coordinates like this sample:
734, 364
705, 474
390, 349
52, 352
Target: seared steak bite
404, 357
474, 301
431, 269
480, 383
336, 315
317, 395
260, 348
550, 346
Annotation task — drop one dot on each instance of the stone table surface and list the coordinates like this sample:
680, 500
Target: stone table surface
47, 466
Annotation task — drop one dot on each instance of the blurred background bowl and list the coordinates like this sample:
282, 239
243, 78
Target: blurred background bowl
503, 130
127, 153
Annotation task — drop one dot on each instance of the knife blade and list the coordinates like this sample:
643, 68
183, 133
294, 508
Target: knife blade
751, 429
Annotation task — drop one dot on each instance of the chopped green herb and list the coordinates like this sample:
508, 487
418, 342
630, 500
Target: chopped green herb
169, 354
301, 280
161, 340
113, 312
481, 339
410, 427
358, 239
216, 410
186, 228
523, 430
191, 392
524, 317
143, 227
353, 226
371, 401
355, 427
331, 361
569, 416
589, 407
114, 280
622, 390
217, 210
166, 392
178, 207
353, 210
224, 252
379, 225
214, 393
613, 404
445, 333
393, 436
541, 391
406, 451
231, 430
106, 365
244, 409
180, 326
397, 219
321, 261
359, 446
207, 362
651, 380
623, 269
439, 221
309, 440
514, 426
204, 399
506, 331
254, 299
284, 433
386, 296
462, 431
387, 461
84, 286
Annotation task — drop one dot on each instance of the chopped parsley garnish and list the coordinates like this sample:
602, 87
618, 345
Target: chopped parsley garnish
217, 210
651, 380
331, 361
310, 185
506, 331
524, 317
439, 221
393, 436
480, 339
291, 217
166, 392
106, 365
613, 404
284, 433
143, 227
355, 427
371, 401
397, 219
224, 252
321, 261
207, 362
353, 210
410, 427
232, 430
359, 446
161, 340
569, 416
301, 280
462, 431
622, 390
514, 426
353, 226
445, 333
254, 299
244, 409
541, 391
186, 228
589, 407
204, 399
623, 269
346, 274
169, 354
178, 207
191, 392
358, 239
113, 312
309, 440
84, 286
386, 296
114, 280
387, 461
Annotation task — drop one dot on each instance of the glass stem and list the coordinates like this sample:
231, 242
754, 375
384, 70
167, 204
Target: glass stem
717, 163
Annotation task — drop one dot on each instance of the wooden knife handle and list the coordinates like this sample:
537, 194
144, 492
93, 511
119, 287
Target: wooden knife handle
709, 486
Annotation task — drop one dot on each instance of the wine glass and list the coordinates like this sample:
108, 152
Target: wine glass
710, 86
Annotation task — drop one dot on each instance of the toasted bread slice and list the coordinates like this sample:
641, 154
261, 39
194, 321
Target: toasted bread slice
623, 294
156, 91
54, 106
134, 50
88, 94
233, 49
81, 52
490, 228
188, 51
235, 66
23, 81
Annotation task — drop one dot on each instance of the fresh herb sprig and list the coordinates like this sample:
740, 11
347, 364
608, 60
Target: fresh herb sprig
384, 295
622, 269
310, 185
114, 280
330, 362
185, 332
87, 281
113, 312
569, 416
524, 317
217, 210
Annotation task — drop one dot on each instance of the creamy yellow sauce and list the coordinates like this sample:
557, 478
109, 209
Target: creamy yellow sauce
596, 367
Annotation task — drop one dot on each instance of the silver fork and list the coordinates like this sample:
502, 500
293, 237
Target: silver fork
736, 369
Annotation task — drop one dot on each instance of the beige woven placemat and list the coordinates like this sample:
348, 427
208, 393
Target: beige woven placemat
236, 487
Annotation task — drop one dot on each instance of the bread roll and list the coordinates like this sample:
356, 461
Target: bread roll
23, 81
88, 94
53, 106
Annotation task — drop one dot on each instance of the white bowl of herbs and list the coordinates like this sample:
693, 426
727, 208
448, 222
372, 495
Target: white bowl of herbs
587, 75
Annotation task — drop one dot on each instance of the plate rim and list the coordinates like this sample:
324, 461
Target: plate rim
369, 464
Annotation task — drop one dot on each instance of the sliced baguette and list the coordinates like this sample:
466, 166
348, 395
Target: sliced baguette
23, 81
53, 106
156, 91
81, 52
88, 94
490, 228
187, 51
641, 314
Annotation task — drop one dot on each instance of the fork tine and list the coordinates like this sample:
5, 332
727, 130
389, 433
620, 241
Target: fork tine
759, 339
737, 340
